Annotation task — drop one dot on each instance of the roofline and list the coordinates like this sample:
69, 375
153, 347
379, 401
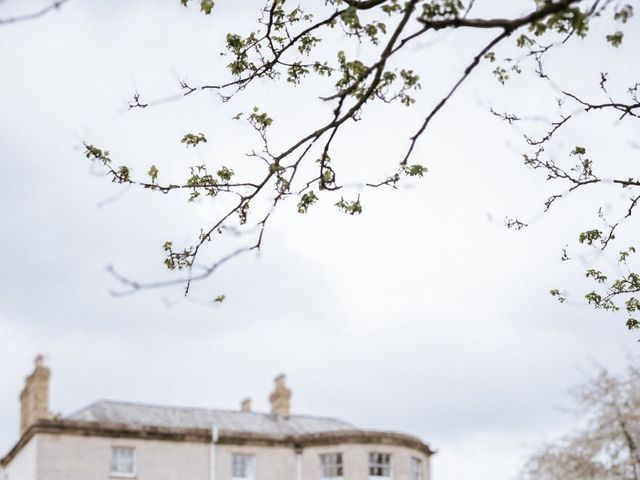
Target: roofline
203, 409
203, 435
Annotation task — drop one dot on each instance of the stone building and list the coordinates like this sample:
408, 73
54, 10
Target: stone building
111, 440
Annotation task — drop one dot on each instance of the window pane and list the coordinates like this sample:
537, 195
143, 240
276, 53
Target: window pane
331, 465
123, 460
242, 466
379, 464
416, 468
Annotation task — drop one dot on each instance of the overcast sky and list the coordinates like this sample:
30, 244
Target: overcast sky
423, 315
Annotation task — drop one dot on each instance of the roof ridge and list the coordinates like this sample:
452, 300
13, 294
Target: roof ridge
204, 409
155, 405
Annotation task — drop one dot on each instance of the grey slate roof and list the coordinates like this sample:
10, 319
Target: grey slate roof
231, 421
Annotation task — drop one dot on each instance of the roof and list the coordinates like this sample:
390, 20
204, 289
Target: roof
114, 419
230, 421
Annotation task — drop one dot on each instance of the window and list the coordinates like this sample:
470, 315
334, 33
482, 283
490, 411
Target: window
243, 466
416, 469
330, 465
123, 461
379, 464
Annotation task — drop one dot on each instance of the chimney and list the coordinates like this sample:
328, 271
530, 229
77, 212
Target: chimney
245, 406
280, 398
34, 398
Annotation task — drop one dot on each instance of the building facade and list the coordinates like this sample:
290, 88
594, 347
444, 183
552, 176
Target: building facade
111, 440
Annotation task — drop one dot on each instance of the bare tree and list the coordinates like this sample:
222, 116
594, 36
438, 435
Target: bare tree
607, 448
358, 48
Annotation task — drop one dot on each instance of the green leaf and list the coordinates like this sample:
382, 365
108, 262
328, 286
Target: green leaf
225, 173
350, 208
624, 14
501, 74
123, 174
490, 56
416, 170
558, 295
615, 39
191, 139
94, 153
589, 236
153, 173
633, 324
206, 6
578, 151
306, 201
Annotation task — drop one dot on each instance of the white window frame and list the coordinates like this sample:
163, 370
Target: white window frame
251, 473
337, 464
134, 462
378, 464
416, 469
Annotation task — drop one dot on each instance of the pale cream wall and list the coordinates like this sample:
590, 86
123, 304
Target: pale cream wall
355, 460
272, 463
72, 457
277, 463
23, 465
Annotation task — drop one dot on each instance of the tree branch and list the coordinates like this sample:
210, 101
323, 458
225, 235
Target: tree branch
31, 16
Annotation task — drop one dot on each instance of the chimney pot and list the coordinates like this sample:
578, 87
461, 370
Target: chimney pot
245, 406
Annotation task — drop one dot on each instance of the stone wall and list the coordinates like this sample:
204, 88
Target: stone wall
72, 457
75, 457
34, 398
